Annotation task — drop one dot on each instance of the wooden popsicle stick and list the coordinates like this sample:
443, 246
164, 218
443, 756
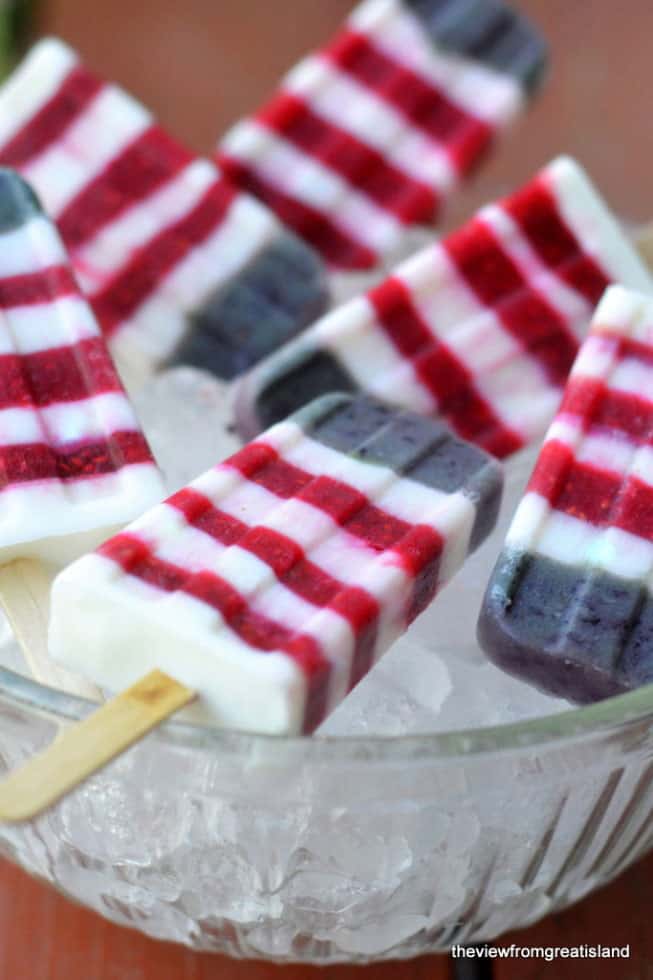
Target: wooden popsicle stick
83, 748
25, 598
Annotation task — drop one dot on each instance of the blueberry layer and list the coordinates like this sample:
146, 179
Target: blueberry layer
489, 31
18, 202
573, 632
425, 450
280, 292
313, 374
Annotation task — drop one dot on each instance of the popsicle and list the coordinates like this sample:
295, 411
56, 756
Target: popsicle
177, 264
480, 328
369, 135
271, 584
74, 464
569, 605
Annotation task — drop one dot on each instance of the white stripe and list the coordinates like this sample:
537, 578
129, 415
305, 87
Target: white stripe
69, 422
623, 311
521, 395
311, 182
530, 517
354, 335
30, 248
565, 538
643, 465
30, 329
571, 305
622, 554
439, 292
452, 515
113, 246
306, 525
448, 307
401, 36
247, 502
633, 376
598, 232
606, 451
32, 84
580, 544
160, 322
239, 686
58, 522
256, 582
281, 437
341, 100
596, 358
246, 229
316, 458
330, 546
567, 429
20, 426
111, 121
503, 373
381, 577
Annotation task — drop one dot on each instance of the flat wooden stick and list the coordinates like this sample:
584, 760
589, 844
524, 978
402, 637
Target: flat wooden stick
25, 598
83, 748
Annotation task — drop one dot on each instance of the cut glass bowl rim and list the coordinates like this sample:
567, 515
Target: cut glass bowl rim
612, 717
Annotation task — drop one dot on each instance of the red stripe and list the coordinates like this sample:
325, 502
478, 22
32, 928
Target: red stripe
254, 629
36, 461
581, 490
634, 512
141, 168
335, 245
43, 286
628, 347
418, 547
606, 408
551, 470
47, 125
143, 273
362, 166
464, 137
498, 283
61, 374
293, 569
448, 380
535, 210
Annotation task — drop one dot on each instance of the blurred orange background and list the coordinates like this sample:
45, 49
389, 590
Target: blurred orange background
201, 64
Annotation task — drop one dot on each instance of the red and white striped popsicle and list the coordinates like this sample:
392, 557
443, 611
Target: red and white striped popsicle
177, 264
369, 135
272, 584
74, 464
569, 605
480, 329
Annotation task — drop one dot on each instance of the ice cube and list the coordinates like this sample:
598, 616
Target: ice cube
186, 414
436, 678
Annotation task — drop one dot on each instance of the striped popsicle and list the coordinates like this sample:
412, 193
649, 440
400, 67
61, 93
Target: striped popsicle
177, 264
368, 136
569, 605
74, 464
271, 584
480, 329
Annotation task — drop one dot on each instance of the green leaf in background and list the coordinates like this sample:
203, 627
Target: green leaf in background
15, 21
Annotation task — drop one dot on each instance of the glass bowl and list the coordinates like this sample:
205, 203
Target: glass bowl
355, 848
339, 849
